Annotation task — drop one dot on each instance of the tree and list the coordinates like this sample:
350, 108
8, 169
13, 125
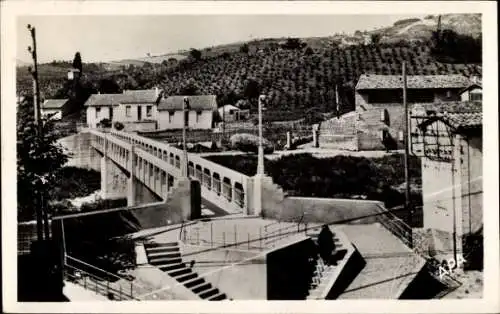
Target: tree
195, 54
37, 161
244, 48
77, 62
309, 51
252, 90
376, 38
109, 86
190, 88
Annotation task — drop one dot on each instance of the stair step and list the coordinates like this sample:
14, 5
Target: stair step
159, 248
164, 255
193, 282
186, 277
173, 249
181, 271
171, 267
218, 297
201, 287
164, 244
208, 293
165, 261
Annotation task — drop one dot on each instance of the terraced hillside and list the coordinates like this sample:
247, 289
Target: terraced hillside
294, 78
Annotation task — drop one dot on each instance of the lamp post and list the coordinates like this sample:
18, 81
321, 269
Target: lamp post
185, 112
260, 164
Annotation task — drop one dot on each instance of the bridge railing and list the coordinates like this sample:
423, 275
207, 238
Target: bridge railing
229, 191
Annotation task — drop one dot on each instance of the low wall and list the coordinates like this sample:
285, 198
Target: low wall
139, 126
289, 271
341, 142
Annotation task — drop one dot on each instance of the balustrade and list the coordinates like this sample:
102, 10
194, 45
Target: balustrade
151, 173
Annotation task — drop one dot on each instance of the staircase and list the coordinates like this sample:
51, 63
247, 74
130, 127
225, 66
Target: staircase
323, 273
167, 257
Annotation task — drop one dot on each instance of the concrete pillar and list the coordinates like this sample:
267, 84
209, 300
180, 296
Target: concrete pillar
257, 194
104, 169
131, 178
288, 140
457, 194
315, 135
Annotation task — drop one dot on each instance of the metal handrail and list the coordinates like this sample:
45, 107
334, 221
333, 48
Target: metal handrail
99, 282
132, 284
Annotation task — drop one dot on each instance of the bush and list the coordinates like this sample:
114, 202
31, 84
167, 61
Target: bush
119, 126
105, 123
249, 143
75, 182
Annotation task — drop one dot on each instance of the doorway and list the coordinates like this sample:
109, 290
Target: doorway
139, 113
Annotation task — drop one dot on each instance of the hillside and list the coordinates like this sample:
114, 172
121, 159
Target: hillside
421, 29
295, 79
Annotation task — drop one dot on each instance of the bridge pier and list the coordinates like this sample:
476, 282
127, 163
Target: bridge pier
131, 178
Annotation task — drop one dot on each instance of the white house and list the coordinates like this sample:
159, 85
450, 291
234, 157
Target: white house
230, 113
130, 107
473, 92
53, 108
202, 113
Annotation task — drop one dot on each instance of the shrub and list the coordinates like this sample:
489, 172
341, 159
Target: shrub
249, 143
119, 126
105, 123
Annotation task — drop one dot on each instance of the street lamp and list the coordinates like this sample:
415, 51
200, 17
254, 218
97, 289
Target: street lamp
260, 164
185, 124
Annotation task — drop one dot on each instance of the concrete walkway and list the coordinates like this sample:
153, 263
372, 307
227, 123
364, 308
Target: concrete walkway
77, 293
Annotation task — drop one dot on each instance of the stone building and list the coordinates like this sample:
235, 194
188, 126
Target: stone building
448, 137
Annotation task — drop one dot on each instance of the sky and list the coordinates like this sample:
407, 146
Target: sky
109, 38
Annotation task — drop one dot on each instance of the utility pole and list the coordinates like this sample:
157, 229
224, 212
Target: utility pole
260, 161
185, 113
408, 206
37, 115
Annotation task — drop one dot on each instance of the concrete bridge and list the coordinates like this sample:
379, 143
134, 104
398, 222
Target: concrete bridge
158, 166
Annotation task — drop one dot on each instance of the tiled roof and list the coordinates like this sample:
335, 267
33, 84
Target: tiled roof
104, 100
204, 102
54, 103
453, 106
471, 86
140, 96
459, 114
464, 120
372, 81
147, 96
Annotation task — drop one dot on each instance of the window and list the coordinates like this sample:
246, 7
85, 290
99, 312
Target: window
170, 116
97, 112
149, 111
198, 116
476, 96
448, 94
128, 112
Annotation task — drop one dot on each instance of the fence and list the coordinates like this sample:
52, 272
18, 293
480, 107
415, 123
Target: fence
102, 282
395, 225
404, 232
264, 237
